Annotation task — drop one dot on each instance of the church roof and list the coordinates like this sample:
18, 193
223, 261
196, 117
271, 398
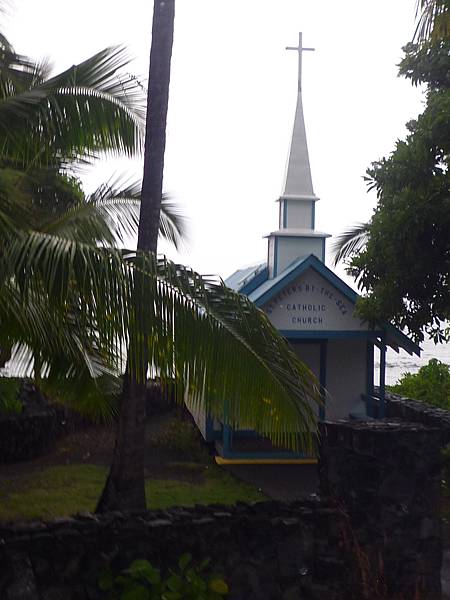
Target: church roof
240, 278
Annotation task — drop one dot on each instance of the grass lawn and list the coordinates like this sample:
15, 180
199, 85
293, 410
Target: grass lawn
57, 491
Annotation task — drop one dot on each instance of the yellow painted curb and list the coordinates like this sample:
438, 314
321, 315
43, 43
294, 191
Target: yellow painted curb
265, 461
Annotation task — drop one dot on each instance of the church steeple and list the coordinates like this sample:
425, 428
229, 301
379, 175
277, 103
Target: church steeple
297, 180
296, 236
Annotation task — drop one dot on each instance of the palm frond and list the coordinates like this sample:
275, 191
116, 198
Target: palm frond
90, 108
350, 242
433, 20
214, 342
173, 225
17, 72
120, 199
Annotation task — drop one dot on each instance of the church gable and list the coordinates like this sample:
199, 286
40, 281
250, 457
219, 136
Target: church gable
312, 303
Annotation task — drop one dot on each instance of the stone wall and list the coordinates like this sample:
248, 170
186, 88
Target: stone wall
35, 431
265, 551
376, 537
386, 477
419, 412
26, 436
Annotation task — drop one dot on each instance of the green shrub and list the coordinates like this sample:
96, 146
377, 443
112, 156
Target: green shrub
142, 581
10, 403
181, 437
431, 384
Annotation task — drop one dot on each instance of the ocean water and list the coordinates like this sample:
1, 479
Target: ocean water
398, 364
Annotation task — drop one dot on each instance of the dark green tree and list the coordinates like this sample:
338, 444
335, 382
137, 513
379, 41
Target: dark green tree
401, 257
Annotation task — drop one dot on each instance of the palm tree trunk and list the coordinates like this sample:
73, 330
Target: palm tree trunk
124, 488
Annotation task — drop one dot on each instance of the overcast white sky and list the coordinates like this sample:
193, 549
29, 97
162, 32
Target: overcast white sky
232, 102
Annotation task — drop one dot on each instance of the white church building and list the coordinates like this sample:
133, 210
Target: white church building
312, 308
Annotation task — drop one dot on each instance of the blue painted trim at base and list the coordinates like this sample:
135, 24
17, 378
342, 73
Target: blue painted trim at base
323, 377
273, 455
244, 434
209, 429
227, 437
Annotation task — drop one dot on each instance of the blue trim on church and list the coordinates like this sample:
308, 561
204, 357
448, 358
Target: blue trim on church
254, 283
293, 272
270, 288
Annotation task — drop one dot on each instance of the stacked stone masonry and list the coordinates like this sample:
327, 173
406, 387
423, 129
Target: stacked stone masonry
267, 551
419, 412
377, 537
386, 477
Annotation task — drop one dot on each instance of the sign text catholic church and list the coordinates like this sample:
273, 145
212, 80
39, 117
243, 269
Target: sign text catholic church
311, 303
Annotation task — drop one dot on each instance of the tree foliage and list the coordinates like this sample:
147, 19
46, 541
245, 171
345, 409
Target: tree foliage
401, 257
431, 384
73, 302
67, 292
405, 265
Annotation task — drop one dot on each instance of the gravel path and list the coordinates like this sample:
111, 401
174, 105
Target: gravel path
280, 482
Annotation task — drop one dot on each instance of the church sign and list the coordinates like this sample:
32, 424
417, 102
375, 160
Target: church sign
311, 303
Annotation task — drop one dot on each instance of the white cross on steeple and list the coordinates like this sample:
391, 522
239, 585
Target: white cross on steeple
300, 50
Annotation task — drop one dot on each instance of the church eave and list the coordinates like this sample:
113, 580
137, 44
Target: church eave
308, 233
298, 198
393, 336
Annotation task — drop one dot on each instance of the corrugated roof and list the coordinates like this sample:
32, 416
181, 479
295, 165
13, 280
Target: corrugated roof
242, 276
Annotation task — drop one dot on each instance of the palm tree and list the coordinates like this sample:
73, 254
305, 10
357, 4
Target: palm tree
125, 484
76, 303
216, 372
48, 125
433, 20
80, 304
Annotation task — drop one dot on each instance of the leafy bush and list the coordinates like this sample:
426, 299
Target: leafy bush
142, 581
10, 403
431, 384
181, 437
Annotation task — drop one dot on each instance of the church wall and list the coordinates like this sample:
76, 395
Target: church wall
310, 354
291, 248
199, 417
346, 372
346, 376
